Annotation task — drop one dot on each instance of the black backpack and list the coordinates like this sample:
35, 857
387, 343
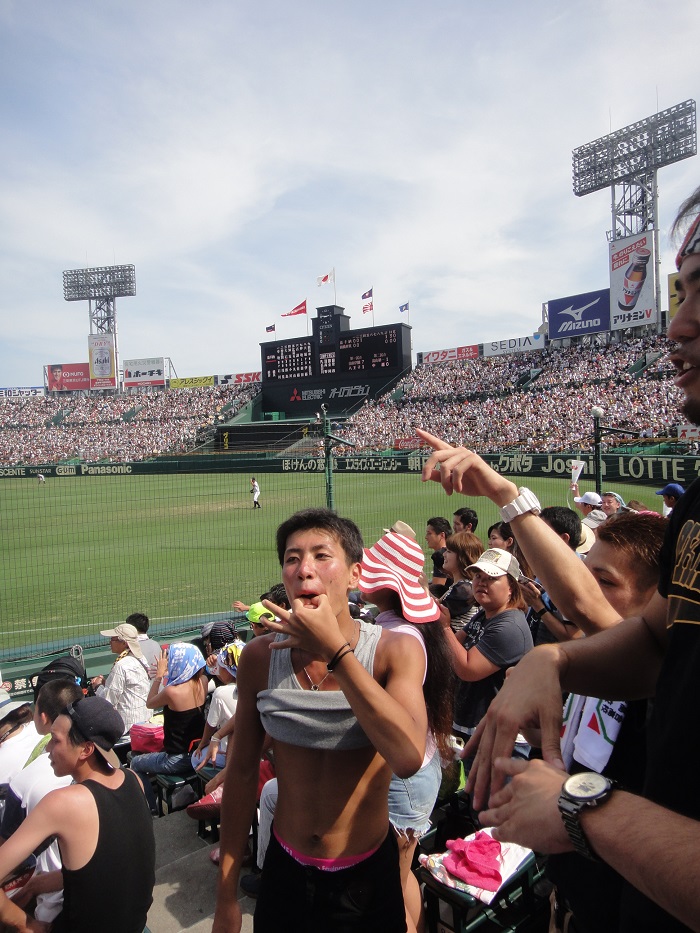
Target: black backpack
69, 666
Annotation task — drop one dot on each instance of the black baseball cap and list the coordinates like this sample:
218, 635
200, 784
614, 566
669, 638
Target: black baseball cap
98, 722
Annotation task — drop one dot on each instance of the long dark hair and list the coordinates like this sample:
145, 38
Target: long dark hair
440, 679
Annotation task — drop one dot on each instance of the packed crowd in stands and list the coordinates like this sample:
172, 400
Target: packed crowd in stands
125, 427
478, 402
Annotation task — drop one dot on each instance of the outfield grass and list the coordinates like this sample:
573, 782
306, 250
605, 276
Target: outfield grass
79, 554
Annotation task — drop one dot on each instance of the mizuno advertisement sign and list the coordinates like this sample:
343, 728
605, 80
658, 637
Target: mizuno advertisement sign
579, 314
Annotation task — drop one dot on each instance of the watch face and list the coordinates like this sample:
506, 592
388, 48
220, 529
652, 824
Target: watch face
586, 786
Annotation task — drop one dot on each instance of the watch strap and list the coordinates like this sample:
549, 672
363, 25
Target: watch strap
525, 501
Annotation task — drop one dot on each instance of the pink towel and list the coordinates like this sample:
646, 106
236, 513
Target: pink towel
477, 861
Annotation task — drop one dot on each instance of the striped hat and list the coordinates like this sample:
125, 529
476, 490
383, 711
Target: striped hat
395, 562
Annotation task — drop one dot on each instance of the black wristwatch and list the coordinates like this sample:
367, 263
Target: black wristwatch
579, 791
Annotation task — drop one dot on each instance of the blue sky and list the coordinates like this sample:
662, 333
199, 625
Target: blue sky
235, 151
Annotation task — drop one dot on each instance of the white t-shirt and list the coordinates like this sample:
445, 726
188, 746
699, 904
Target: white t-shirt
223, 706
15, 750
31, 785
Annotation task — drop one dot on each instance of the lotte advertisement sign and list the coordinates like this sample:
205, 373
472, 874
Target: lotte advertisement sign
632, 292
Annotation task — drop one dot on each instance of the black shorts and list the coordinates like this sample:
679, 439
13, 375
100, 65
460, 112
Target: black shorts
298, 899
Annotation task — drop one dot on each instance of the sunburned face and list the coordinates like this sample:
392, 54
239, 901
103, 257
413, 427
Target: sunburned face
614, 571
684, 329
315, 563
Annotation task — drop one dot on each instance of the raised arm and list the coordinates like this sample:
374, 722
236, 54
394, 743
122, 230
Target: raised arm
562, 572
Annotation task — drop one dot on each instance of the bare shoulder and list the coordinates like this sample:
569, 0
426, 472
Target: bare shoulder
398, 650
65, 803
254, 664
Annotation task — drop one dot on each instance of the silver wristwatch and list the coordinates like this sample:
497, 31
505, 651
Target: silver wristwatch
579, 791
527, 501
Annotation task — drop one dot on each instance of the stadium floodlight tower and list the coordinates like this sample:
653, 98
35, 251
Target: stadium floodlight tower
101, 287
627, 160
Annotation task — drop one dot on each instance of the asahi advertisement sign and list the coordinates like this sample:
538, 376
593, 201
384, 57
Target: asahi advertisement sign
579, 314
632, 293
103, 370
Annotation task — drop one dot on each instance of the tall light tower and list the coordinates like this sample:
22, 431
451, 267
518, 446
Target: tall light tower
101, 287
627, 160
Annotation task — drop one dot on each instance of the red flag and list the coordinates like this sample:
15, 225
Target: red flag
368, 306
300, 309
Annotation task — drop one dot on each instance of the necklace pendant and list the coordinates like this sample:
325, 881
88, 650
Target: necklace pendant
315, 687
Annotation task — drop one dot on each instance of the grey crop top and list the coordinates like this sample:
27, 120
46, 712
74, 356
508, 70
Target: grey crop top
313, 719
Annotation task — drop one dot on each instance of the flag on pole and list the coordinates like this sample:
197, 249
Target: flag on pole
367, 306
325, 279
367, 294
300, 309
403, 308
270, 329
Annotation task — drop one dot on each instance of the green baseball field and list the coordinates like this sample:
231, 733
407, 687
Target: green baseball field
81, 553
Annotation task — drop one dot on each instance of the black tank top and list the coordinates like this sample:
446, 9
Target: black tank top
181, 728
113, 892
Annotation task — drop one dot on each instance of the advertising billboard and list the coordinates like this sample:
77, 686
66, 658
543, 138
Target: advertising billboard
577, 315
192, 382
103, 368
147, 372
455, 353
632, 293
21, 391
238, 378
515, 345
67, 377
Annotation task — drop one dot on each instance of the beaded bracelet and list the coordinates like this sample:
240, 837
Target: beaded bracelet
339, 659
332, 662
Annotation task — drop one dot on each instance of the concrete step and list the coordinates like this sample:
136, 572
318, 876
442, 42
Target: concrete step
184, 896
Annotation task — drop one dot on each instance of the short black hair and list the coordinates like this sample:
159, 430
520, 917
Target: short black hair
55, 695
277, 595
440, 526
467, 517
344, 530
563, 521
139, 621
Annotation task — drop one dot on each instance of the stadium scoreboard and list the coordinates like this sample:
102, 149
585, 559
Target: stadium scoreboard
334, 356
334, 350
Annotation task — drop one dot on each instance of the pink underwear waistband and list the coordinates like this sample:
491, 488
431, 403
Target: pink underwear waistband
323, 864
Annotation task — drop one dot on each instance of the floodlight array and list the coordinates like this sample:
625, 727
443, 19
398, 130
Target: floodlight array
101, 282
638, 149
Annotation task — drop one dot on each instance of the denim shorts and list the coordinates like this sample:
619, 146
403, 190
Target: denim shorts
411, 800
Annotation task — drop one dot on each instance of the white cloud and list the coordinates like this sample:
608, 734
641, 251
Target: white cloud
233, 154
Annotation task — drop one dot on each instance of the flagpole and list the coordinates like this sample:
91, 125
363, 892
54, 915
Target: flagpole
335, 295
373, 306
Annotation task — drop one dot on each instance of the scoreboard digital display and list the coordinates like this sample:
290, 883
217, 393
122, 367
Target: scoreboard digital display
373, 351
291, 359
369, 351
